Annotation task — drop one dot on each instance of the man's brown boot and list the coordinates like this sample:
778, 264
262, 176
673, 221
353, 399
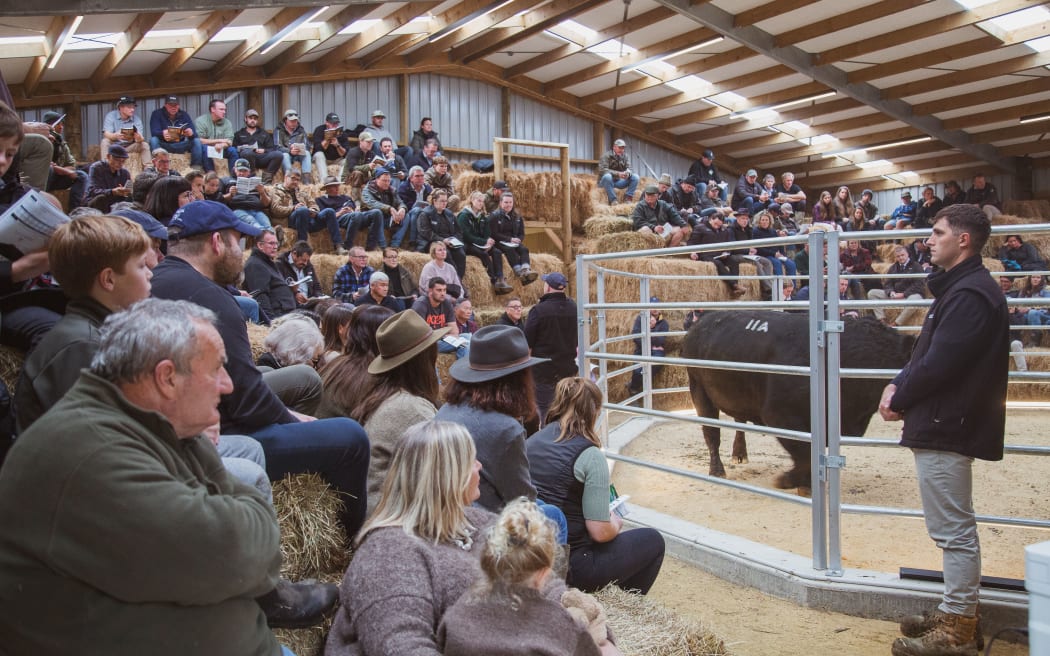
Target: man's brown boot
950, 635
913, 626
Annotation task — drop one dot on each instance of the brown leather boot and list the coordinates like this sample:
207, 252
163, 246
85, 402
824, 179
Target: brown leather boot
913, 626
950, 635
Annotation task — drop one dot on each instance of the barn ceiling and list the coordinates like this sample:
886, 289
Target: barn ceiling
869, 92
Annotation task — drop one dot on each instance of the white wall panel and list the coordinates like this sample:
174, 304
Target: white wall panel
353, 100
465, 112
535, 121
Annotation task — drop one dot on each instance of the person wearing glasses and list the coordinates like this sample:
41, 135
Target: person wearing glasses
264, 281
293, 142
512, 314
167, 195
351, 280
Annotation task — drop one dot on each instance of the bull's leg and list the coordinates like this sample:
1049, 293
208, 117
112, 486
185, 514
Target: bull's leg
739, 449
800, 472
713, 437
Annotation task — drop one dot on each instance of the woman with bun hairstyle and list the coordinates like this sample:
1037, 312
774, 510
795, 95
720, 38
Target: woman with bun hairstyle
507, 612
569, 470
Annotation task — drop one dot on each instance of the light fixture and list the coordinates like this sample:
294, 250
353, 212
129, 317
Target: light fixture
788, 103
287, 30
883, 146
656, 58
63, 40
1035, 118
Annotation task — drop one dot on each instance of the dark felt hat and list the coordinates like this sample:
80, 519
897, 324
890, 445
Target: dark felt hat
495, 351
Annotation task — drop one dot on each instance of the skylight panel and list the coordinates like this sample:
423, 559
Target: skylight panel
587, 33
972, 4
1023, 18
611, 49
690, 84
238, 33
359, 26
93, 41
1042, 44
874, 164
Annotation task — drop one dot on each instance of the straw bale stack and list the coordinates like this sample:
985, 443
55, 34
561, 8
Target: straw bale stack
620, 242
601, 225
537, 196
995, 242
11, 360
1036, 210
645, 628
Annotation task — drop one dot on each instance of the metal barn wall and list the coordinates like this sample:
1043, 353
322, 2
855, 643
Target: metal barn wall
1041, 183
660, 160
535, 121
889, 199
353, 100
465, 112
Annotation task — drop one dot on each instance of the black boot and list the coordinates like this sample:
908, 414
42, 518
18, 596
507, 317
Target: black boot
298, 605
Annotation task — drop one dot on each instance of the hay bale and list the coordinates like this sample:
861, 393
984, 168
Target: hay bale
601, 225
645, 628
537, 196
256, 335
1039, 362
11, 360
313, 542
444, 361
620, 242
304, 642
181, 162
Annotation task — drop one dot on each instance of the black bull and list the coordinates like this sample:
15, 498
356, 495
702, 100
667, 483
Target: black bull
782, 400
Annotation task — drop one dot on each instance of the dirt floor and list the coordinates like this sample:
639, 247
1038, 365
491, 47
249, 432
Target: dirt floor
1018, 487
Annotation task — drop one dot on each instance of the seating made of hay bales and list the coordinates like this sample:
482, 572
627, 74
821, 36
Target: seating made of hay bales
1036, 209
537, 196
313, 546
601, 225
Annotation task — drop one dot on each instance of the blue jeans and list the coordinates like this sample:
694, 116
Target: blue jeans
245, 460
304, 224
289, 158
407, 227
337, 449
254, 217
723, 192
630, 183
229, 154
1038, 317
445, 347
249, 307
555, 514
370, 220
780, 267
191, 146
75, 186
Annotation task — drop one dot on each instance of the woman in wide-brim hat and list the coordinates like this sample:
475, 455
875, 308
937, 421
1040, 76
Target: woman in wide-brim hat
404, 390
491, 394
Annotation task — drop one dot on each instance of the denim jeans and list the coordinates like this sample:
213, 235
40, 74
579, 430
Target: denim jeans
304, 224
254, 217
337, 449
406, 232
555, 514
369, 220
249, 307
445, 347
76, 186
630, 183
245, 460
289, 158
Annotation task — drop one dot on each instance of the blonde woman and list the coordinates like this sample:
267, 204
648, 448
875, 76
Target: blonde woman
569, 471
507, 612
418, 552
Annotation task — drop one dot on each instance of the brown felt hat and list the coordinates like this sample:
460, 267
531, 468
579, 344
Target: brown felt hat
402, 337
495, 351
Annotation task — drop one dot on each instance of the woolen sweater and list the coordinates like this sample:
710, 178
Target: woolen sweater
385, 428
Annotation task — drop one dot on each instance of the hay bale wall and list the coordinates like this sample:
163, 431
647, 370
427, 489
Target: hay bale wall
600, 225
537, 196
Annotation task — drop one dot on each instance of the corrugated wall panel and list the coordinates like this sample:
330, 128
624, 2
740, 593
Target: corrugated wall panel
1041, 183
353, 100
889, 200
533, 120
651, 160
465, 112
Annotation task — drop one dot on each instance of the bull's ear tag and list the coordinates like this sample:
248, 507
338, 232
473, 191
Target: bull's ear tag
758, 326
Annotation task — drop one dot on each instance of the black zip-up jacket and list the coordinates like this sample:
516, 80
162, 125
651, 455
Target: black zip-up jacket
550, 330
953, 391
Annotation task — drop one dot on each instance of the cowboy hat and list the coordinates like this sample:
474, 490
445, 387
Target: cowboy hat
402, 337
495, 351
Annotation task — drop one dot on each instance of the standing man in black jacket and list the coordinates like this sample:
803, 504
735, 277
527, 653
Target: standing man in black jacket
550, 330
952, 397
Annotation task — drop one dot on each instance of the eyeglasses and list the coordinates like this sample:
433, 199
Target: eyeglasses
268, 243
513, 307
359, 257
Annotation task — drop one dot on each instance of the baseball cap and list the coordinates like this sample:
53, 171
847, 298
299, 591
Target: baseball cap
556, 280
774, 208
906, 194
171, 100
654, 299
499, 184
751, 173
651, 189
689, 180
620, 143
251, 112
331, 180
242, 165
332, 118
116, 150
206, 216
868, 192
377, 113
786, 207
126, 100
709, 154
50, 117
291, 113
382, 170
743, 211
153, 227
365, 136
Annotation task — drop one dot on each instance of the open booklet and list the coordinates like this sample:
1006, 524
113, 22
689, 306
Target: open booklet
28, 224
248, 185
457, 340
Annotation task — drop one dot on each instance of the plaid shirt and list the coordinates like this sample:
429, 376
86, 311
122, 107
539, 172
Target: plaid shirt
347, 282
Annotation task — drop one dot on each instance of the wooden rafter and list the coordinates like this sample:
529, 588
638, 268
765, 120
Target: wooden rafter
390, 49
997, 115
1017, 90
131, 37
929, 28
866, 15
330, 28
823, 165
335, 57
533, 22
249, 47
924, 60
847, 177
757, 101
208, 28
458, 12
59, 26
432, 52
615, 32
769, 10
974, 74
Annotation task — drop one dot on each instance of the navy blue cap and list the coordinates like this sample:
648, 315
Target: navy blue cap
205, 216
153, 227
555, 280
116, 150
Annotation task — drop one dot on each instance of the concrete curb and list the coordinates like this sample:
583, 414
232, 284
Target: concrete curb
862, 593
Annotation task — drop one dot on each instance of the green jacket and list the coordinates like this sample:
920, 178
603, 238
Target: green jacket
123, 539
475, 229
